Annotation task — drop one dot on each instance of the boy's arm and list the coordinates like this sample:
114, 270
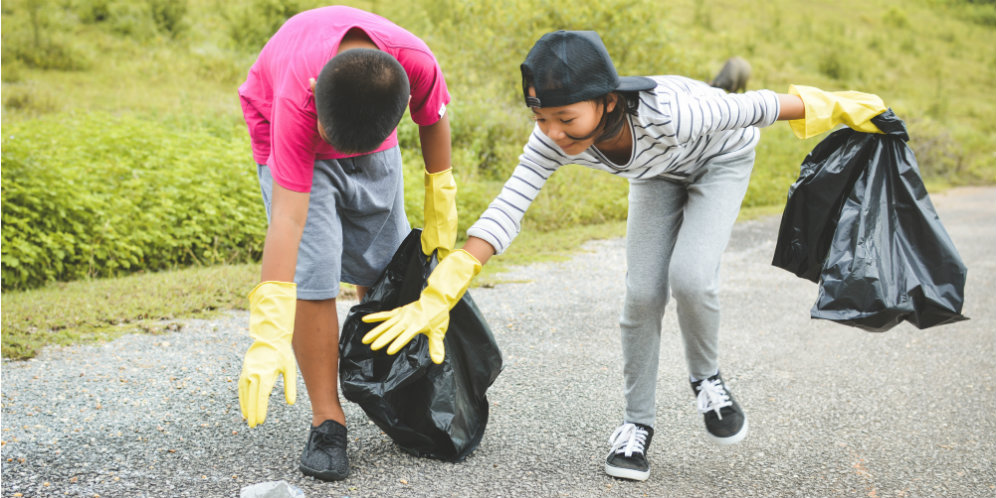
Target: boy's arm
288, 213
435, 141
272, 306
439, 226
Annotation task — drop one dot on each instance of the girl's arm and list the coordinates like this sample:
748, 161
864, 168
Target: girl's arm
791, 107
479, 249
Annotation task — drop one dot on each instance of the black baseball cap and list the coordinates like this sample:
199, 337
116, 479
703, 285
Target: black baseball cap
566, 67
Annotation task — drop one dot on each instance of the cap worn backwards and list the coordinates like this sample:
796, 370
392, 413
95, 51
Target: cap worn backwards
566, 67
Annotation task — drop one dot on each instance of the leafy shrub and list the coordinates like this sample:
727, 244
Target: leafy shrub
138, 20
28, 101
40, 37
896, 17
93, 11
95, 196
168, 15
250, 24
133, 20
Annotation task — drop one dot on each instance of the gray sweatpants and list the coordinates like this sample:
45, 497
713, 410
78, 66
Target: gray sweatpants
675, 236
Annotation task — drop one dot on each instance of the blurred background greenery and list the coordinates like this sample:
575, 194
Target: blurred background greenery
125, 156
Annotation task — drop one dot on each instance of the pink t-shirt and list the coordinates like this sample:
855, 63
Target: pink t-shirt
279, 106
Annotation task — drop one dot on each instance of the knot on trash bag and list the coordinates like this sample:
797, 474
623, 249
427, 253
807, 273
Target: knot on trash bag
890, 124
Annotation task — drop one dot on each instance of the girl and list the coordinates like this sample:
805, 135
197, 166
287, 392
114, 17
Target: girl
687, 150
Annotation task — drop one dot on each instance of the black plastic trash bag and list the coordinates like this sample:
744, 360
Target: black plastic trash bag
430, 410
859, 221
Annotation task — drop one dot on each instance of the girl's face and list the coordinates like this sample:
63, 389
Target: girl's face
565, 124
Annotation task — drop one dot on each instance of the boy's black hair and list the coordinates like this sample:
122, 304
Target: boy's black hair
360, 97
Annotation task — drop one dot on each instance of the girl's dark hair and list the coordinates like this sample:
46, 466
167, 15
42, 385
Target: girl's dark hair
360, 97
613, 121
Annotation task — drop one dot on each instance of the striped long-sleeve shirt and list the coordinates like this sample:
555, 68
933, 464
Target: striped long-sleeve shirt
680, 125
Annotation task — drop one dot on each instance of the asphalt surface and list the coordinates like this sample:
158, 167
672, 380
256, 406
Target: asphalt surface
834, 410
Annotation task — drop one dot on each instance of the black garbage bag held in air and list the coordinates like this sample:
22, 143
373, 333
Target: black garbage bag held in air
429, 410
859, 221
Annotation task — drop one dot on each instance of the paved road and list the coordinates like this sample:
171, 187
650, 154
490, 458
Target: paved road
834, 411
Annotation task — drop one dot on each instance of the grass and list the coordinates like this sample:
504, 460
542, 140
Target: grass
933, 61
103, 309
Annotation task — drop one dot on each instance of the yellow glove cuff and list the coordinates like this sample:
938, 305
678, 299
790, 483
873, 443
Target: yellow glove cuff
271, 310
451, 278
274, 288
440, 213
826, 110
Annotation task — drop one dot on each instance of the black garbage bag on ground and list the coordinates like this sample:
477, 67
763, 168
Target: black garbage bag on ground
859, 221
429, 410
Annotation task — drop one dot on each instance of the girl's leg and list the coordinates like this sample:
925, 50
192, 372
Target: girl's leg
713, 202
655, 212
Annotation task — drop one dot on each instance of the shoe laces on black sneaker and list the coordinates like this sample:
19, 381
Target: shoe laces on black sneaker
329, 436
712, 396
629, 439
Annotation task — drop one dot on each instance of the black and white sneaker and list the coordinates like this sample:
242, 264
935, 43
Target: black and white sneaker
324, 457
628, 457
724, 420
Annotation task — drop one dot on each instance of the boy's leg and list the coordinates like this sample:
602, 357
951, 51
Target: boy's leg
356, 221
316, 347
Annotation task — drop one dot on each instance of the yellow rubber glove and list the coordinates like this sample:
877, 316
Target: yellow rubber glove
430, 315
271, 325
826, 110
440, 213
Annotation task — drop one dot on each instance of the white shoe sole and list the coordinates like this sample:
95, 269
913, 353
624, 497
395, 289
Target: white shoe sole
734, 439
631, 474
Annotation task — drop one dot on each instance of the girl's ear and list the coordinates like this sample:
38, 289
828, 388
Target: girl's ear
610, 104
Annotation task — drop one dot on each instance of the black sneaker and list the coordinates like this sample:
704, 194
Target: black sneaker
724, 420
324, 457
628, 457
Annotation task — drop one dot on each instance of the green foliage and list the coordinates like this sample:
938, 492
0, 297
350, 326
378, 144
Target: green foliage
250, 24
939, 77
43, 39
139, 20
896, 18
169, 15
94, 196
160, 175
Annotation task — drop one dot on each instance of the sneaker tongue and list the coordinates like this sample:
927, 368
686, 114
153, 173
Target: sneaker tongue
712, 396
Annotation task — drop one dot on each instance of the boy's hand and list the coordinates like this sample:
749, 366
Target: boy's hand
271, 325
430, 315
440, 213
826, 110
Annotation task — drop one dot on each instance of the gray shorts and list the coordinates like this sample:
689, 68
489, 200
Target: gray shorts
356, 221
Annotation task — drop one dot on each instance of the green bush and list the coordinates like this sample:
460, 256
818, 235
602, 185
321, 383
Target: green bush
139, 20
169, 15
40, 37
938, 77
96, 195
250, 24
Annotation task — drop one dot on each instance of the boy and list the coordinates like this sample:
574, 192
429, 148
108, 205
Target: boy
322, 102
